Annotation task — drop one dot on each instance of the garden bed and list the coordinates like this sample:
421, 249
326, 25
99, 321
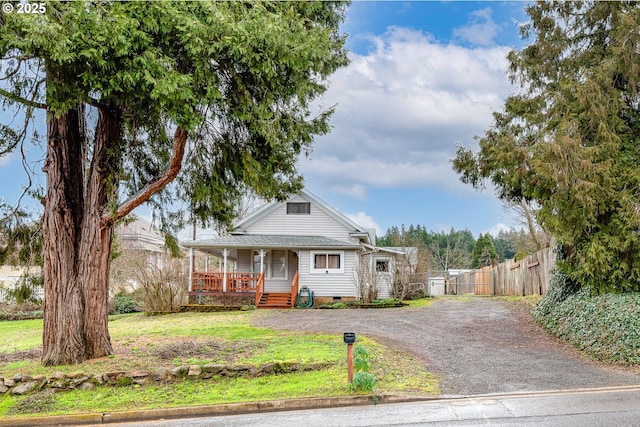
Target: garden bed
385, 303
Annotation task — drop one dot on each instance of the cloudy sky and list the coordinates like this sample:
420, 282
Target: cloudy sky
423, 77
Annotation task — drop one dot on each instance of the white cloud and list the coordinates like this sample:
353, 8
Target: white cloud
496, 229
6, 159
481, 30
365, 221
402, 108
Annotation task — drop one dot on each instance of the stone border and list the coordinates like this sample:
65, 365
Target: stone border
21, 384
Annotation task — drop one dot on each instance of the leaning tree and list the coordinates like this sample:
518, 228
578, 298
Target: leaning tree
569, 140
179, 104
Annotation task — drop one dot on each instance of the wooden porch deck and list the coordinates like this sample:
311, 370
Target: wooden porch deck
214, 282
237, 284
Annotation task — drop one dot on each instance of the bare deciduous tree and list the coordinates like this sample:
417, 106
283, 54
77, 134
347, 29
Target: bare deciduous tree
366, 279
524, 213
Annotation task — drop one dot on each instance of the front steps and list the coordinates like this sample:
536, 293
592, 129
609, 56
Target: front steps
275, 300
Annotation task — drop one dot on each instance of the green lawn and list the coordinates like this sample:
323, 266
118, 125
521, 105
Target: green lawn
142, 342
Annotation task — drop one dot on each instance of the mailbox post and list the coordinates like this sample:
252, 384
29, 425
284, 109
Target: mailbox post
349, 339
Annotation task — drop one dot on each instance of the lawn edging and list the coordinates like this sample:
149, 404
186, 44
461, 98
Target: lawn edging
21, 384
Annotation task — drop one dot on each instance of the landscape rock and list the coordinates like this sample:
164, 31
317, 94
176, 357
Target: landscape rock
113, 376
194, 371
24, 388
212, 368
3, 388
58, 376
74, 375
86, 386
179, 371
80, 380
138, 374
9, 382
160, 374
17, 378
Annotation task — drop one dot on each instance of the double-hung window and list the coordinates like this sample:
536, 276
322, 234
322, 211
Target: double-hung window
327, 262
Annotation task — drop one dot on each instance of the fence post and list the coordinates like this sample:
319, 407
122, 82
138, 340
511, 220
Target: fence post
493, 288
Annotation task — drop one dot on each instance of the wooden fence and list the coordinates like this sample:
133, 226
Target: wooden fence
529, 276
476, 282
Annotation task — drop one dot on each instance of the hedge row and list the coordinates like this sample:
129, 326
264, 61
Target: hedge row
605, 326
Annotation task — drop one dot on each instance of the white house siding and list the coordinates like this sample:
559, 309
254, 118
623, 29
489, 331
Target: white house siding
329, 285
384, 279
316, 223
282, 285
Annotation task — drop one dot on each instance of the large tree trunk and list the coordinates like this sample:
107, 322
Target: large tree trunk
63, 336
77, 240
78, 230
97, 235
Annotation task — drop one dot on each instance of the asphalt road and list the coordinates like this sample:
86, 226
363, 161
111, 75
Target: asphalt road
604, 407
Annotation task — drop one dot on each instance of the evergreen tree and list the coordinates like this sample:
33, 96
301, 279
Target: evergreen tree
214, 97
484, 253
569, 140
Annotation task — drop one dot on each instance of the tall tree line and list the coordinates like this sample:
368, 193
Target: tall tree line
459, 249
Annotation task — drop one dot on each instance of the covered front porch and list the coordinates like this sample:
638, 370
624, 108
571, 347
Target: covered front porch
269, 268
245, 275
240, 285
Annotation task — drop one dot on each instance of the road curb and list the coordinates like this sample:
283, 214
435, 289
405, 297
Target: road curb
213, 410
274, 406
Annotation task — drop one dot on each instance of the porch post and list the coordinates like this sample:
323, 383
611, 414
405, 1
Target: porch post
225, 253
190, 269
262, 254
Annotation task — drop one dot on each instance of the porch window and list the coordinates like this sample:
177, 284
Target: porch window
278, 264
327, 262
298, 208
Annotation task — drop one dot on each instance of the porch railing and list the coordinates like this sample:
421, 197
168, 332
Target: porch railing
213, 282
294, 289
259, 289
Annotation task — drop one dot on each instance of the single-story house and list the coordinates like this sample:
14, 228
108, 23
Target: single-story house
298, 244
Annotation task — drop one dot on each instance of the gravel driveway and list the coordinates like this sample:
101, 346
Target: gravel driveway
475, 346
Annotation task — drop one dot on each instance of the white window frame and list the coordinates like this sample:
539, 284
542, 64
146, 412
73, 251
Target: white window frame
270, 265
312, 260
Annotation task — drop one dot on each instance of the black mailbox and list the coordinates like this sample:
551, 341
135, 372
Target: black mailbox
349, 337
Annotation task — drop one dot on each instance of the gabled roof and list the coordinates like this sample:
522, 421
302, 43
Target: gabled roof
141, 234
266, 209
